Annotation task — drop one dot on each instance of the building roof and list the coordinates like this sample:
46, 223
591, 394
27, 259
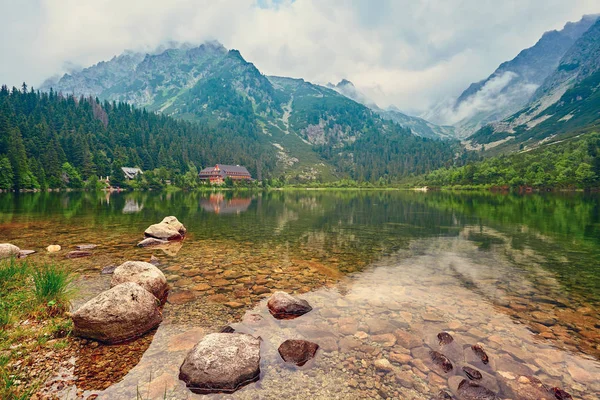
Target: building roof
131, 172
224, 170
232, 169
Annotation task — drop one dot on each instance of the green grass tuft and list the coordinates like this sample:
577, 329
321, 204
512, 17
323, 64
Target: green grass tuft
52, 285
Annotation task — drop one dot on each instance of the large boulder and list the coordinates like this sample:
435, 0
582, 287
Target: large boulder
144, 274
222, 362
168, 229
124, 312
8, 250
298, 352
285, 306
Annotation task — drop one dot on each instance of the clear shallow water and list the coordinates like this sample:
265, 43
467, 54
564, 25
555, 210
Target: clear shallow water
384, 271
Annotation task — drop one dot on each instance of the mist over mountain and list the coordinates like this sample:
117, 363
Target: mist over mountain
512, 85
566, 104
418, 126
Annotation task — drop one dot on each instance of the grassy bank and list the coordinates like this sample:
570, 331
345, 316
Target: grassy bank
34, 300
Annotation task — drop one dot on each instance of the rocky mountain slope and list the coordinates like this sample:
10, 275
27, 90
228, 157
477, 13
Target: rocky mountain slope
418, 126
314, 131
566, 104
513, 84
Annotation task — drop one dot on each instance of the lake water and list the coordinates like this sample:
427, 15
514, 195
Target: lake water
384, 271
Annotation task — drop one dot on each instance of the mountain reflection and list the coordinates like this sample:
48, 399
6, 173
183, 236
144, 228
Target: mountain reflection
217, 203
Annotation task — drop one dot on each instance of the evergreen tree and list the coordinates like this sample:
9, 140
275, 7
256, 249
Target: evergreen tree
6, 174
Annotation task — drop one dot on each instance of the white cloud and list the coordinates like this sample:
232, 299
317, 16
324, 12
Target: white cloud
405, 52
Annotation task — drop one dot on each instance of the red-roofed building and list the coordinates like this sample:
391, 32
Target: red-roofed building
217, 174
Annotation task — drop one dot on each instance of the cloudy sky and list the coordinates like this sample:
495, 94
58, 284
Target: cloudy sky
411, 53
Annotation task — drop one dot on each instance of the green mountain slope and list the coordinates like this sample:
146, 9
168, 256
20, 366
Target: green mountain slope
513, 84
310, 129
566, 104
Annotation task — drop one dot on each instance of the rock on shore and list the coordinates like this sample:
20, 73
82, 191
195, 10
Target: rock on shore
285, 306
222, 362
168, 229
124, 312
8, 250
144, 274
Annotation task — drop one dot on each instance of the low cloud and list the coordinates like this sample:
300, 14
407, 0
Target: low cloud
497, 93
403, 52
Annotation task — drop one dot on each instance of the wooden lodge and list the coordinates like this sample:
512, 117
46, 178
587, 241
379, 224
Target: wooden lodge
131, 173
217, 174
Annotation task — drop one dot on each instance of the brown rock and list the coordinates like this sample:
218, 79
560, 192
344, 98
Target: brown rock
480, 352
284, 306
377, 325
201, 287
124, 312
385, 339
78, 254
182, 297
298, 352
383, 365
472, 373
400, 358
407, 339
349, 343
441, 361
528, 388
234, 304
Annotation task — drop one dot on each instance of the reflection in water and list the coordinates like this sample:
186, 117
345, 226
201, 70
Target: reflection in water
384, 271
132, 206
218, 204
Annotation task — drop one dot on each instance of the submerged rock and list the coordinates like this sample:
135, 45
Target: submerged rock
109, 269
445, 338
285, 306
441, 361
561, 394
443, 395
151, 242
478, 350
529, 388
144, 274
154, 260
298, 352
168, 229
221, 362
124, 312
78, 254
472, 373
86, 246
25, 253
465, 390
227, 329
8, 250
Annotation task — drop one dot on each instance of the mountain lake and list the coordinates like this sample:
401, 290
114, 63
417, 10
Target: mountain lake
385, 272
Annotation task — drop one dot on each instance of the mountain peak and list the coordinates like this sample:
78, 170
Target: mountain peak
344, 82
